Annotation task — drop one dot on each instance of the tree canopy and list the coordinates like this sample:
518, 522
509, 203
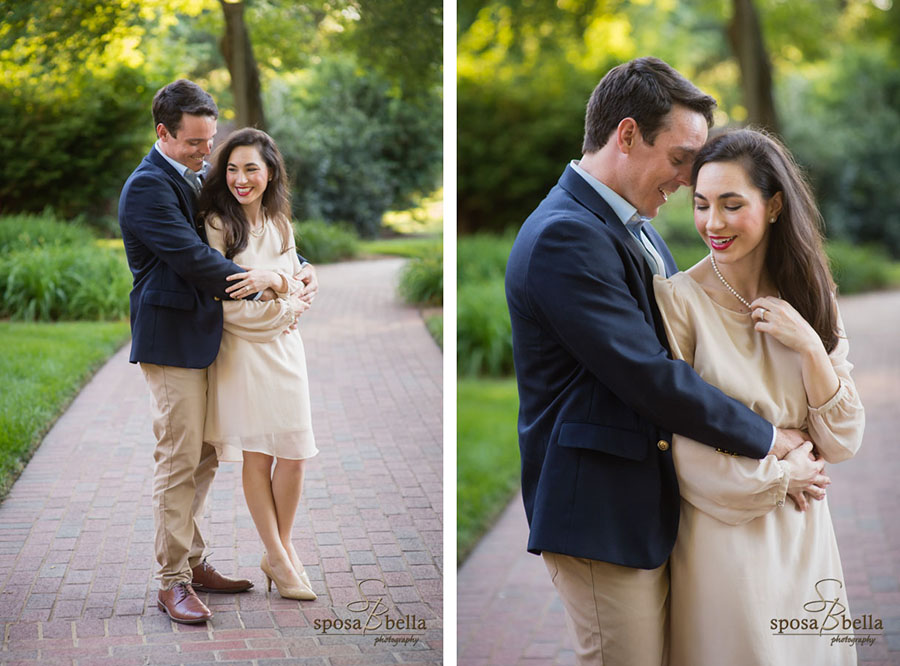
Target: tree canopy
526, 70
70, 65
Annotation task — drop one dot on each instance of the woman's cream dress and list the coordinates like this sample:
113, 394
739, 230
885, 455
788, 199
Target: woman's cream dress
258, 397
746, 558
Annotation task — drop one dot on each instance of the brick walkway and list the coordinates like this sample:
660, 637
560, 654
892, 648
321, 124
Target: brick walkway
76, 531
508, 610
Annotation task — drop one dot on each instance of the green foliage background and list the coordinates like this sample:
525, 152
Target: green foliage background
354, 88
526, 71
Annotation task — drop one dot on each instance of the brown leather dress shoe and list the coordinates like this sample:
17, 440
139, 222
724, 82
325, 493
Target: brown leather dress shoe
207, 579
183, 605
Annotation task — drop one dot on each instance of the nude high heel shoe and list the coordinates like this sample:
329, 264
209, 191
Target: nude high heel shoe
301, 592
301, 571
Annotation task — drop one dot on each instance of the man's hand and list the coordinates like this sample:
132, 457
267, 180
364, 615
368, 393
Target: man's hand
300, 306
807, 476
786, 440
307, 276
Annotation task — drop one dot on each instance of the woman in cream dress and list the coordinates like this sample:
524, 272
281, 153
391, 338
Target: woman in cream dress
755, 573
258, 407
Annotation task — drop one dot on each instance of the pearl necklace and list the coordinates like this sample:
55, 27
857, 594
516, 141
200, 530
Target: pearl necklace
260, 230
743, 300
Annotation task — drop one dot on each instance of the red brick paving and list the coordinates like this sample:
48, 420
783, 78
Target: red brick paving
76, 531
508, 611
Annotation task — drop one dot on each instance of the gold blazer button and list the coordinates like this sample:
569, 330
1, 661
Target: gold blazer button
662, 445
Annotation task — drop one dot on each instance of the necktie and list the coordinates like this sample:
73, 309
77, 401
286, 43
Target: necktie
634, 224
193, 179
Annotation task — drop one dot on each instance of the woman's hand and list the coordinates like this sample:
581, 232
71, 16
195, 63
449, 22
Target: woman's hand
807, 476
252, 281
779, 319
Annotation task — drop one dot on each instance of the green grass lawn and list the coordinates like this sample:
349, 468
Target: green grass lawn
487, 456
42, 367
401, 246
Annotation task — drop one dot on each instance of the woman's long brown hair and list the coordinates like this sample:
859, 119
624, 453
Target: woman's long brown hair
217, 201
795, 258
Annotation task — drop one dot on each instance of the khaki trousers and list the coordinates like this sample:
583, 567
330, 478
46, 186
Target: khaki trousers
184, 470
617, 616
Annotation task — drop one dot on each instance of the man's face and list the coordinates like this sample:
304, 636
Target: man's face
654, 172
193, 142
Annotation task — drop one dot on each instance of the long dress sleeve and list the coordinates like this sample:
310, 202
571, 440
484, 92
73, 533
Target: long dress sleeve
732, 489
255, 321
291, 281
837, 426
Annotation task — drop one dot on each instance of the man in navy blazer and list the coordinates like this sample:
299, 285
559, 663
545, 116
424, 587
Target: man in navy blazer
599, 394
176, 323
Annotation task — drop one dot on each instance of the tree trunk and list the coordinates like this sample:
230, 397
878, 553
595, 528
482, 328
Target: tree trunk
238, 54
746, 38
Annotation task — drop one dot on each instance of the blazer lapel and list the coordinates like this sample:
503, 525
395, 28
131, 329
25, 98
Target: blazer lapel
181, 185
661, 247
588, 197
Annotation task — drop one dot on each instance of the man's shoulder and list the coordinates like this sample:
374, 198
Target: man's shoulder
148, 176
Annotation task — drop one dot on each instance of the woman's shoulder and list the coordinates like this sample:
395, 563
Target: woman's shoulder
679, 286
211, 219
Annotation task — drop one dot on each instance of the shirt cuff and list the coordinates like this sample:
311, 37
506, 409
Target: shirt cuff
774, 435
259, 296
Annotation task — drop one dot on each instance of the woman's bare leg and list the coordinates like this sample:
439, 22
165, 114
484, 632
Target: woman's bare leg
258, 492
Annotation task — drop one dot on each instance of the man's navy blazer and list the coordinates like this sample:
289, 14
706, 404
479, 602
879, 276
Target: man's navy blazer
175, 319
599, 395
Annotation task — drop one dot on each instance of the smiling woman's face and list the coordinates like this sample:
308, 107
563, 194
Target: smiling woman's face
247, 175
730, 213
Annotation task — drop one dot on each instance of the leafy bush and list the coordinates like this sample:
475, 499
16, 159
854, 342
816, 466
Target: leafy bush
841, 122
483, 330
482, 256
861, 268
72, 147
422, 279
53, 283
24, 232
435, 325
353, 148
321, 242
402, 246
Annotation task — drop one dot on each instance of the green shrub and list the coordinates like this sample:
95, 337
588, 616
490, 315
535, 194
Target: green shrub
483, 330
54, 283
482, 256
435, 326
841, 122
24, 232
422, 279
402, 246
72, 147
324, 242
861, 268
354, 149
